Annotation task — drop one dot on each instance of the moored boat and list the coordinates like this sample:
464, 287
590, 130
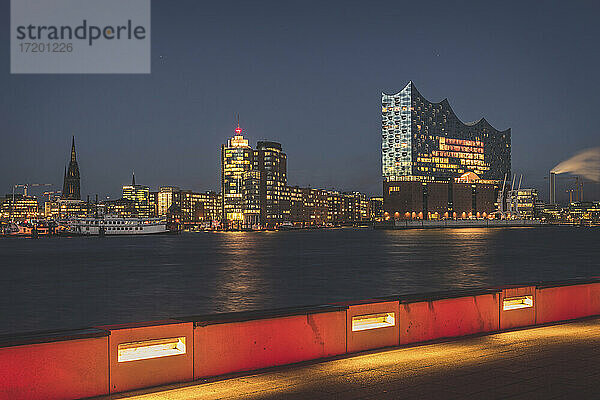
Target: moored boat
114, 226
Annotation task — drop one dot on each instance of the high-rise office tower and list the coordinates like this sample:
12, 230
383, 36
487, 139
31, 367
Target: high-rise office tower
236, 162
139, 195
271, 162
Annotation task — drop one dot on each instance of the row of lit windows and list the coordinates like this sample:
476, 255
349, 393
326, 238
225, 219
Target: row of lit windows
453, 154
472, 162
461, 142
386, 109
462, 148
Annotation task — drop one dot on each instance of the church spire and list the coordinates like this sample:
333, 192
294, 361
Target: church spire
71, 183
73, 154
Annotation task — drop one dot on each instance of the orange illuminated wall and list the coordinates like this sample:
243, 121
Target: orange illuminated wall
150, 354
246, 341
371, 325
565, 300
595, 298
517, 307
97, 361
54, 365
448, 315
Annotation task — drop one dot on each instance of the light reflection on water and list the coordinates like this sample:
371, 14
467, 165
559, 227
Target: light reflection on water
71, 282
241, 278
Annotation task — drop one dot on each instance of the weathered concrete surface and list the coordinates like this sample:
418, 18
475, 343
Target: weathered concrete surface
555, 362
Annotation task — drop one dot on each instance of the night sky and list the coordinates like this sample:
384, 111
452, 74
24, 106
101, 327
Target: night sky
308, 75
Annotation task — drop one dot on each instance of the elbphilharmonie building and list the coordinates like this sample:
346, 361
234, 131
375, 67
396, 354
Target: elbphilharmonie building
434, 165
422, 140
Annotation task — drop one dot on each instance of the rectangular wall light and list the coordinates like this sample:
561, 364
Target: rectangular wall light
151, 349
373, 321
513, 303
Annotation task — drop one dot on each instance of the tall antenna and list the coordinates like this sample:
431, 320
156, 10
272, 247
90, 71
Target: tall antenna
238, 130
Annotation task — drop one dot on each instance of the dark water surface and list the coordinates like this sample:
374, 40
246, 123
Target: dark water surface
53, 283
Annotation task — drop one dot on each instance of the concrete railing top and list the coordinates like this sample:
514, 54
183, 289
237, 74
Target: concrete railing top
242, 316
569, 282
439, 295
19, 339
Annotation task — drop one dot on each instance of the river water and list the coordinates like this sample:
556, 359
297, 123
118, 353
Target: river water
56, 283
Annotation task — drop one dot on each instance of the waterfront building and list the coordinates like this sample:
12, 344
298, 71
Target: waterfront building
167, 197
575, 213
358, 207
61, 209
318, 207
255, 191
252, 199
71, 182
139, 195
522, 203
315, 209
271, 163
253, 183
125, 208
200, 208
153, 203
436, 166
293, 205
236, 162
24, 207
376, 208
582, 213
463, 198
347, 208
335, 208
426, 141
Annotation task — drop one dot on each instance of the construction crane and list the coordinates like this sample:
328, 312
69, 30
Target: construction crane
25, 187
578, 190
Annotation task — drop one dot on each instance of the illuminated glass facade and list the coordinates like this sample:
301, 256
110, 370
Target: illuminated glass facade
426, 141
236, 162
140, 196
167, 196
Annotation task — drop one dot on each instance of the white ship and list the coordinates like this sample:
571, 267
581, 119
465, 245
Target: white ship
112, 225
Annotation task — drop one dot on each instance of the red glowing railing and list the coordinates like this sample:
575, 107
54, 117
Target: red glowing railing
109, 359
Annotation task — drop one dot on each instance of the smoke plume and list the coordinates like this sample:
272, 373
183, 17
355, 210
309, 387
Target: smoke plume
585, 163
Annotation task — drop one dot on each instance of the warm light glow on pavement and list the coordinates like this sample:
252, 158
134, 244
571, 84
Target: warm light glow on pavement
544, 363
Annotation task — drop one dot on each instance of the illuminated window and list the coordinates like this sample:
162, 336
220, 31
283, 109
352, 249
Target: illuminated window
373, 321
513, 303
151, 349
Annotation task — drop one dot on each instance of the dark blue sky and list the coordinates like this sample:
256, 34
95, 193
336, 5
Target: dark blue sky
309, 75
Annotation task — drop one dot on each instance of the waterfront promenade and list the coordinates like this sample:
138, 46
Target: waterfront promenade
550, 362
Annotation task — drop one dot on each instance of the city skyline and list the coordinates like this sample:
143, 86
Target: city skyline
316, 91
73, 170
267, 199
